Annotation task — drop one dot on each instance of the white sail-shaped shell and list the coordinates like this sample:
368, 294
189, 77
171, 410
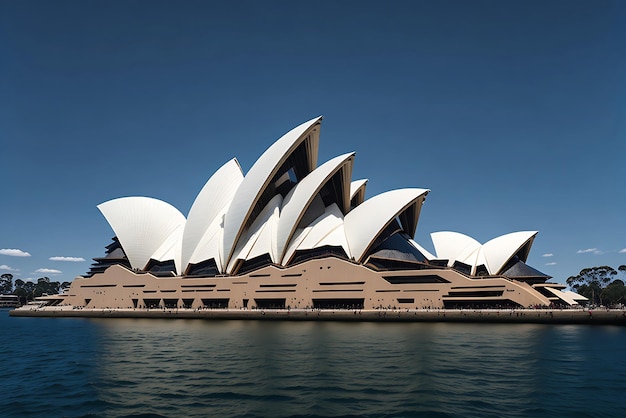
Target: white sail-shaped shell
209, 207
500, 250
300, 197
365, 222
142, 225
325, 230
261, 236
260, 175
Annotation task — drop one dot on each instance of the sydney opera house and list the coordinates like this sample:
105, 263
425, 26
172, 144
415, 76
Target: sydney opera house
292, 234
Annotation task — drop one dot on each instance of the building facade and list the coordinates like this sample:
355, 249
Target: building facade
292, 234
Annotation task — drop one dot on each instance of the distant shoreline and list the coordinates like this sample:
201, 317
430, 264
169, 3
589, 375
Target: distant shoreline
542, 316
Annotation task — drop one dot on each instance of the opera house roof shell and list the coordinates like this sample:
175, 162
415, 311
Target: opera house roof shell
287, 205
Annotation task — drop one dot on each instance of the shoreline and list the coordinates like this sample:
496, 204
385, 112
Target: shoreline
541, 316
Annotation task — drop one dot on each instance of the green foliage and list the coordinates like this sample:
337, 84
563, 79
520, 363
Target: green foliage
600, 276
6, 284
597, 284
614, 293
29, 290
23, 295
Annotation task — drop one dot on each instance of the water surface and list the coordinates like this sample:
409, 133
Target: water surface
197, 368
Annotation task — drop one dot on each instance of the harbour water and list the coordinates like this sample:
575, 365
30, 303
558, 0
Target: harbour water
79, 367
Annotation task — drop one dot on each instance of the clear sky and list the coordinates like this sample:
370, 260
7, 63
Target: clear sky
511, 112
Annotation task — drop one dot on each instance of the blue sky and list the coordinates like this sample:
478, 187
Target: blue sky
511, 112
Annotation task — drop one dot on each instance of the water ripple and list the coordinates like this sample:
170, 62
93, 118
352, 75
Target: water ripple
160, 368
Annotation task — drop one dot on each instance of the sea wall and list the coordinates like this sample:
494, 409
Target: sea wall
543, 316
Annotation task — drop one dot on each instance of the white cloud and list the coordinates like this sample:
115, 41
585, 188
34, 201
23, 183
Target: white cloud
13, 252
72, 259
48, 271
551, 264
622, 251
7, 268
589, 250
548, 255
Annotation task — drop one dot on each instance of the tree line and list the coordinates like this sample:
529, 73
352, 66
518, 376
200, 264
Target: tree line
28, 291
600, 285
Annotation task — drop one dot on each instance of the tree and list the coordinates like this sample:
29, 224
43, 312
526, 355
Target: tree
29, 290
591, 282
29, 287
614, 293
53, 288
599, 275
45, 286
6, 283
43, 280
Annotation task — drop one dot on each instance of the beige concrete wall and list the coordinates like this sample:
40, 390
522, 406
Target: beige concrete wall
329, 278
